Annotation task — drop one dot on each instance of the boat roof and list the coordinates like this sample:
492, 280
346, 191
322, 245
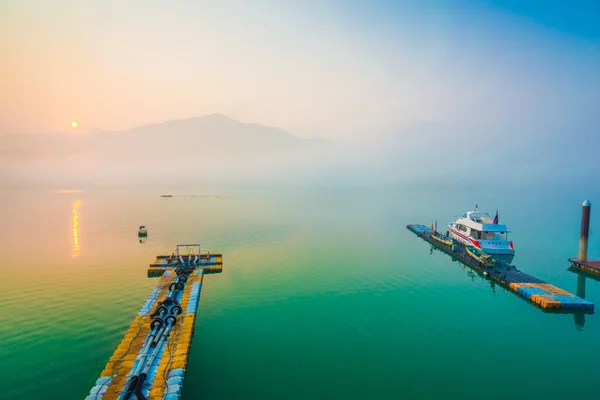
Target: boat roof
478, 216
481, 221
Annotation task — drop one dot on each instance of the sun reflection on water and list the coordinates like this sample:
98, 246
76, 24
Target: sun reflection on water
75, 228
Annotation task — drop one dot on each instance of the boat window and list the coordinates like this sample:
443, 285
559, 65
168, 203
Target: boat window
481, 217
475, 234
488, 235
494, 236
500, 236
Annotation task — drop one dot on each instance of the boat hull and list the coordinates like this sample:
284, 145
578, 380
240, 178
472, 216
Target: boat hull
498, 252
500, 248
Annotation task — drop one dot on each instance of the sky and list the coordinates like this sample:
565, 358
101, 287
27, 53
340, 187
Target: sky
332, 69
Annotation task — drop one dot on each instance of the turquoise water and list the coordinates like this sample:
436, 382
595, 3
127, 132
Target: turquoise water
324, 293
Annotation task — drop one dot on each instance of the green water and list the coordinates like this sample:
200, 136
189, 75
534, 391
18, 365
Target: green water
324, 294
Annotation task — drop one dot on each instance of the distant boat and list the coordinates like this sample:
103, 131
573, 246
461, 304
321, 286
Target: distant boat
142, 231
166, 195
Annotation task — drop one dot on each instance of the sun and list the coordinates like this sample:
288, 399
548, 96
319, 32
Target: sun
74, 124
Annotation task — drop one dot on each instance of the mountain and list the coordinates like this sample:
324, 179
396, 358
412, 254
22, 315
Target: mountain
209, 148
217, 149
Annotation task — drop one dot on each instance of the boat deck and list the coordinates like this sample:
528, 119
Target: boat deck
591, 266
165, 370
544, 295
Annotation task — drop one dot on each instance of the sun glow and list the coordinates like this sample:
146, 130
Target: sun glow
74, 124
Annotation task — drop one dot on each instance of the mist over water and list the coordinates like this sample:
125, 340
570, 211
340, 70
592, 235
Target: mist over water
217, 150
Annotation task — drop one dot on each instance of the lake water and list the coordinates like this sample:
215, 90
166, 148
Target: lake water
324, 293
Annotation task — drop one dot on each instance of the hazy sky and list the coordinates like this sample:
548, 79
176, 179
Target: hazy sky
331, 69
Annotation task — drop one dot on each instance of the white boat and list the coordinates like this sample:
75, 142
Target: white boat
476, 228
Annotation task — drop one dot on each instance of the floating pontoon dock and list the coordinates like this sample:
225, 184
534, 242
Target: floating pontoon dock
150, 361
591, 266
582, 263
546, 296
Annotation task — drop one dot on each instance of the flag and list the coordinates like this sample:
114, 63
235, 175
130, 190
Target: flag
495, 221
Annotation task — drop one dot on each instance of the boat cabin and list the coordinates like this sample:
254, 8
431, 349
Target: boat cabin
484, 234
478, 225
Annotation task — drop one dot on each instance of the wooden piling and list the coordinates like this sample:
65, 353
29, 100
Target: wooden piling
586, 209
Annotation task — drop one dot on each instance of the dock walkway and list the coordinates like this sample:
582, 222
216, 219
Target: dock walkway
150, 361
544, 295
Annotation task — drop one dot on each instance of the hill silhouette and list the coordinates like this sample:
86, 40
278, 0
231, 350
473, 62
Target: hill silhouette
209, 148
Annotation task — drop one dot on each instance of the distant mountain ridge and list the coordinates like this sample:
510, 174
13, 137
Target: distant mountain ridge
218, 149
209, 147
210, 127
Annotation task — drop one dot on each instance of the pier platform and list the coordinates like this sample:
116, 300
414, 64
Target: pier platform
544, 295
150, 361
210, 264
591, 266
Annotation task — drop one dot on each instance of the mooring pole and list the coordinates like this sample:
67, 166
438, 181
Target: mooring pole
581, 286
579, 317
585, 230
